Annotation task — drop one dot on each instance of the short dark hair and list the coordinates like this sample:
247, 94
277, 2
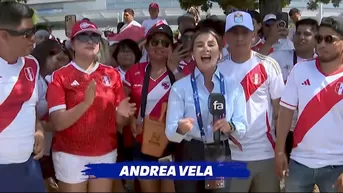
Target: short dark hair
293, 11
85, 19
194, 30
132, 45
12, 13
130, 11
255, 15
310, 22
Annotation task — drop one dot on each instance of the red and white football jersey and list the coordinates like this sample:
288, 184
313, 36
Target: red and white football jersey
94, 134
158, 91
187, 67
258, 45
318, 97
18, 98
262, 82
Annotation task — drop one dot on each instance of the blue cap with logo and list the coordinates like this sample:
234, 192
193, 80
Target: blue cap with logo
239, 18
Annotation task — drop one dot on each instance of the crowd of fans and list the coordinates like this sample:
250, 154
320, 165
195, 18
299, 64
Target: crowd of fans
94, 99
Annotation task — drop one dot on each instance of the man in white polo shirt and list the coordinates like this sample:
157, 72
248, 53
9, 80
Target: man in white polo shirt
261, 79
315, 88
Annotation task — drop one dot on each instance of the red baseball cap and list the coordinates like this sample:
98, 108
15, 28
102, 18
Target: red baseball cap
84, 26
153, 5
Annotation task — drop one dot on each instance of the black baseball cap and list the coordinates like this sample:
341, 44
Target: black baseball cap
333, 22
162, 28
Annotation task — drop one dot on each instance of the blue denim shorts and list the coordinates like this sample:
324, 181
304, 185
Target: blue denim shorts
22, 177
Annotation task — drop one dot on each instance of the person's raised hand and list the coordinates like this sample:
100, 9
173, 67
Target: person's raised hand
185, 125
90, 93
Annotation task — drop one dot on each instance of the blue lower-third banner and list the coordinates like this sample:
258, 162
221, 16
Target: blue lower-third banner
168, 170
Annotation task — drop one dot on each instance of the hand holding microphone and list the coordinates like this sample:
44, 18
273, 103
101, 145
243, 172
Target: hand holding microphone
222, 125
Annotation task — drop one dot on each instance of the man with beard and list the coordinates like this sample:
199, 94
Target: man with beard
315, 88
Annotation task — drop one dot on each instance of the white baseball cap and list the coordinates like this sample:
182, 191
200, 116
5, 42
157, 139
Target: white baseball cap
269, 17
239, 18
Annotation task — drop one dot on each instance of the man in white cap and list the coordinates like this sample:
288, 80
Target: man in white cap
261, 79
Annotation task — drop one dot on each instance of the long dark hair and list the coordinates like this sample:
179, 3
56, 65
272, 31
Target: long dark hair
44, 50
132, 45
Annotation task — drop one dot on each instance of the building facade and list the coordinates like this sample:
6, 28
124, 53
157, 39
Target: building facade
109, 12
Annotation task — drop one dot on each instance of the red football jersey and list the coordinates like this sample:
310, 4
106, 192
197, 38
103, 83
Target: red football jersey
187, 67
94, 134
158, 91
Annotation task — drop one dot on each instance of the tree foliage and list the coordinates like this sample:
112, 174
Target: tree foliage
267, 5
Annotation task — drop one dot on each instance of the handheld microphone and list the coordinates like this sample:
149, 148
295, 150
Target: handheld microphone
216, 105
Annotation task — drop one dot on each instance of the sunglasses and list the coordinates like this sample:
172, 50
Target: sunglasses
329, 39
26, 33
84, 37
164, 43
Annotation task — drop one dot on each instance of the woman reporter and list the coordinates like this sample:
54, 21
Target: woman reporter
86, 101
190, 127
148, 85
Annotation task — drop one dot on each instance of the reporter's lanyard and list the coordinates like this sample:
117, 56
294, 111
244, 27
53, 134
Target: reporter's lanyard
197, 103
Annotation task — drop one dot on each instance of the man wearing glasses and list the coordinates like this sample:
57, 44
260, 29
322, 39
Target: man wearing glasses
21, 135
315, 88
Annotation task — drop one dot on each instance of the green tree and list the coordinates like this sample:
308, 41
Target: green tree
265, 6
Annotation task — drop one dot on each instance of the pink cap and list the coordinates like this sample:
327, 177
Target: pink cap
84, 26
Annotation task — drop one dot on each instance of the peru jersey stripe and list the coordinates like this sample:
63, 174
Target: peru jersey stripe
253, 80
269, 130
316, 109
21, 92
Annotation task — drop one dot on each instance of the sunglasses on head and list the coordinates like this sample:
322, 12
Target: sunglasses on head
84, 37
26, 33
164, 43
329, 39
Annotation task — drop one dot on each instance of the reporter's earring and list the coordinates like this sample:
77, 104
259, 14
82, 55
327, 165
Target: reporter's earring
220, 57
